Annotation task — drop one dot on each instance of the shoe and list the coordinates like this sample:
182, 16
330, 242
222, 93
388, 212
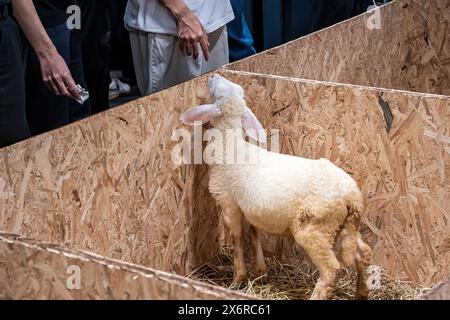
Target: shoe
117, 88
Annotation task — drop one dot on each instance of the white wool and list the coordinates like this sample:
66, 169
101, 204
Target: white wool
269, 190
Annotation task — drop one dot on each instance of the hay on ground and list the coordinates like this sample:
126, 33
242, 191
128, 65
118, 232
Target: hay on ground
296, 282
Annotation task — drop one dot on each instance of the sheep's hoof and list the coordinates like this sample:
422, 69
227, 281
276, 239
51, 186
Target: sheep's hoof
319, 295
239, 279
261, 270
362, 295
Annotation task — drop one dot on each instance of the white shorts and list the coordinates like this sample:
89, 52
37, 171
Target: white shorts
159, 63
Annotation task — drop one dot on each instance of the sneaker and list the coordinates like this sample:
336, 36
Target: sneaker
117, 88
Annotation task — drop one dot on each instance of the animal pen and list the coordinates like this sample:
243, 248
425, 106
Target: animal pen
104, 195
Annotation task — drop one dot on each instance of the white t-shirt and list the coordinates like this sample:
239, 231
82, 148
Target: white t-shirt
152, 16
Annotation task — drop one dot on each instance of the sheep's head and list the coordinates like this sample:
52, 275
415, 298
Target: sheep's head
229, 109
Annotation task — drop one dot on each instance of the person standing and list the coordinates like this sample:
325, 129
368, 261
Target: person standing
13, 120
45, 109
175, 40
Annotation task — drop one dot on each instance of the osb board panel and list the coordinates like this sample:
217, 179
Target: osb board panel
441, 292
404, 174
410, 50
107, 185
36, 270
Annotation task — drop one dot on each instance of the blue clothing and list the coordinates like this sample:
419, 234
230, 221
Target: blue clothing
239, 37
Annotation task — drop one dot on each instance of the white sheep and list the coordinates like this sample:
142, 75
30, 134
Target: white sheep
313, 201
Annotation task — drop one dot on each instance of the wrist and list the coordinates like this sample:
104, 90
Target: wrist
46, 52
179, 11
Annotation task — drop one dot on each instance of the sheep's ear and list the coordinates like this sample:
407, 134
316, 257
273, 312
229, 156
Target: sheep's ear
253, 127
203, 114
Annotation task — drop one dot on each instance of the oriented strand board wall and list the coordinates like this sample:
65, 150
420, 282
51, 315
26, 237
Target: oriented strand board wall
404, 174
36, 270
411, 50
107, 185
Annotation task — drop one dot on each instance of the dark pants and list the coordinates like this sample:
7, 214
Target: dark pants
13, 122
121, 56
96, 43
77, 111
45, 110
329, 12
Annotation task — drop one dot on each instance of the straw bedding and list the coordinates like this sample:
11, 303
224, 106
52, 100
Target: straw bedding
296, 282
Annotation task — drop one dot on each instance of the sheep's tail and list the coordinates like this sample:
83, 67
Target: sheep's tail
350, 229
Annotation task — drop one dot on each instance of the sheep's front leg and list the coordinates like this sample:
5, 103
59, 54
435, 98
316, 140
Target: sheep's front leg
256, 241
232, 217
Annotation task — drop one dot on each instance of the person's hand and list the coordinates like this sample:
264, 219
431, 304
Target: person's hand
57, 77
190, 34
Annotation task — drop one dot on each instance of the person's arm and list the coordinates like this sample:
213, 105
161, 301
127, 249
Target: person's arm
190, 29
55, 73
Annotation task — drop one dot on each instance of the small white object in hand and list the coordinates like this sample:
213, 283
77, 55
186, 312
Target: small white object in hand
83, 94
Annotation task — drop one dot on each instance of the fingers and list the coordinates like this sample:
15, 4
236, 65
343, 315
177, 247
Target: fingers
71, 86
62, 85
56, 85
189, 48
191, 38
184, 45
51, 87
195, 51
57, 76
181, 44
204, 43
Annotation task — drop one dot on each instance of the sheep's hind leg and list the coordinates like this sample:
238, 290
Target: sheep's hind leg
233, 220
318, 246
255, 235
363, 261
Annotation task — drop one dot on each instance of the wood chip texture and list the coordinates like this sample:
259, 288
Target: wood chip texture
408, 48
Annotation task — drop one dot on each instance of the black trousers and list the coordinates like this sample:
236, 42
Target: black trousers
326, 13
96, 44
13, 121
121, 56
77, 111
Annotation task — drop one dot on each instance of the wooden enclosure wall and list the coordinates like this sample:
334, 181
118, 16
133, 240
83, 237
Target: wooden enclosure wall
107, 185
402, 165
410, 51
36, 270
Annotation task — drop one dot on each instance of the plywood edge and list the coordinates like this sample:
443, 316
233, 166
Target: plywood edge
22, 259
274, 50
224, 72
